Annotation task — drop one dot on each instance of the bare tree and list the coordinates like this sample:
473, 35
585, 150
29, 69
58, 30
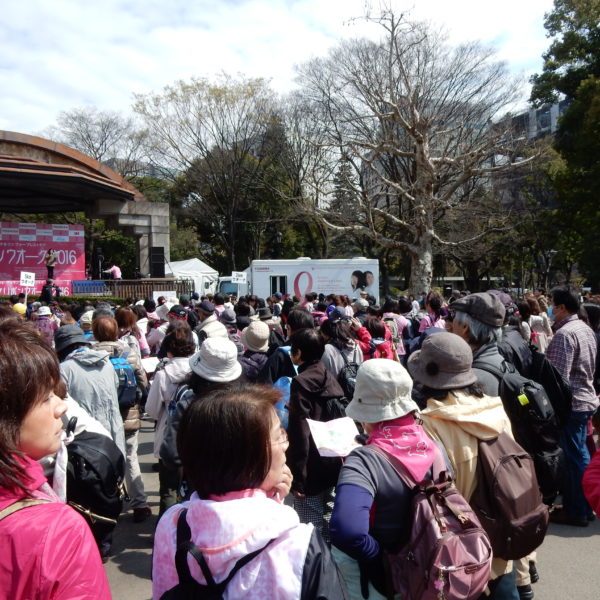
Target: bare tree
215, 136
107, 136
414, 118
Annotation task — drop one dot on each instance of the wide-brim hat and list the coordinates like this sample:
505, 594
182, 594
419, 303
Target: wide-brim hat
443, 362
217, 360
68, 335
383, 392
44, 311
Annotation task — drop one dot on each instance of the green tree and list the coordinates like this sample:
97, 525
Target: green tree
572, 69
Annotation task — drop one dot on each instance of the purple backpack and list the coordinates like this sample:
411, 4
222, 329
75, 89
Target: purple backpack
448, 555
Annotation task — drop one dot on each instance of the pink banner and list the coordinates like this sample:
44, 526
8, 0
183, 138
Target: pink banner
23, 246
8, 288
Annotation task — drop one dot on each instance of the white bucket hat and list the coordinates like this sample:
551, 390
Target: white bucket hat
382, 393
216, 360
255, 337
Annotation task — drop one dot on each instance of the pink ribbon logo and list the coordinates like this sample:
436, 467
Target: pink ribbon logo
309, 285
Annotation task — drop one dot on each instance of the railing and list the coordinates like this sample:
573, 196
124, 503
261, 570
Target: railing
132, 288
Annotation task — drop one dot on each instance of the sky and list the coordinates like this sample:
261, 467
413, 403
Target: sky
56, 55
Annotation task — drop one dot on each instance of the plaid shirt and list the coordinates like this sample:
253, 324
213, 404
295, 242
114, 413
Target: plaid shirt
572, 351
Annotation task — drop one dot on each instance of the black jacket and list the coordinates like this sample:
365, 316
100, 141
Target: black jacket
312, 473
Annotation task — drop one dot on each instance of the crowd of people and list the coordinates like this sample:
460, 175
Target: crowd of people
249, 507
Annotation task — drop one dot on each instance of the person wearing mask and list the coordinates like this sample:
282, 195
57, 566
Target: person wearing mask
572, 350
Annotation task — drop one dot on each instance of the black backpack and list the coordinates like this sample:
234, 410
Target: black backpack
534, 423
95, 473
347, 376
556, 386
188, 588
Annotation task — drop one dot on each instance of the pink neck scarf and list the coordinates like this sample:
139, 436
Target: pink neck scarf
407, 441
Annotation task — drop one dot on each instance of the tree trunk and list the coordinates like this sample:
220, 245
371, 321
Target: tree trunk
471, 275
421, 272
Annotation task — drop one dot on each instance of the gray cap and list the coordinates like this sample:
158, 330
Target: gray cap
382, 392
228, 317
482, 307
67, 335
443, 362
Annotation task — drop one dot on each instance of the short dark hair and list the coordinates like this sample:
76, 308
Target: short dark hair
300, 318
149, 305
563, 295
390, 305
224, 440
29, 371
310, 344
219, 299
179, 341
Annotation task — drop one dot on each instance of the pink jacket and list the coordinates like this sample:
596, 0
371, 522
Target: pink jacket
48, 550
591, 483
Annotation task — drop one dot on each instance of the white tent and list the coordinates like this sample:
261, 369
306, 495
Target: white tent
205, 278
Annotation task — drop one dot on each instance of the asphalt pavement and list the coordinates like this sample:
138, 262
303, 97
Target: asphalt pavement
567, 560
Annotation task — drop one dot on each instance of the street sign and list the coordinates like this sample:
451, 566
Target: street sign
27, 279
238, 277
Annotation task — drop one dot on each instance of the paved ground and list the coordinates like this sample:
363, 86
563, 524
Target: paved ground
567, 561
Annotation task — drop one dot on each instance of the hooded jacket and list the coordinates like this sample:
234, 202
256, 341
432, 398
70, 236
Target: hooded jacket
48, 550
297, 565
253, 363
312, 473
163, 389
459, 421
92, 382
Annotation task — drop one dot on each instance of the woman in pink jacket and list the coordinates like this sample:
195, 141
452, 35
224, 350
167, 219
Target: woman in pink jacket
47, 549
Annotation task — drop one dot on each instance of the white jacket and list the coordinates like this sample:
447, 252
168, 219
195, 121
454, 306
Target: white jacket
163, 388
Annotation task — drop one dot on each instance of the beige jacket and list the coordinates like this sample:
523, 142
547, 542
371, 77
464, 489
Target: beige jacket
459, 422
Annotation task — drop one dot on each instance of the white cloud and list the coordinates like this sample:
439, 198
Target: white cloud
66, 53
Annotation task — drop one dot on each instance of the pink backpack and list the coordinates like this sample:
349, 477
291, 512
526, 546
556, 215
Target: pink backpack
448, 555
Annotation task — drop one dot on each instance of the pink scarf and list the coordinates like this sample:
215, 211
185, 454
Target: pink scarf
407, 441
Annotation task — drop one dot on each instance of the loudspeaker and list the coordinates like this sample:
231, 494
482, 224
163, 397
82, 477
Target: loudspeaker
97, 260
157, 261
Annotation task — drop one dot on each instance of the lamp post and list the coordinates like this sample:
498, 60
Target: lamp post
551, 254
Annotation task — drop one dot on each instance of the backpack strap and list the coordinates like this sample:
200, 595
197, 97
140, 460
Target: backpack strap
21, 504
497, 373
185, 545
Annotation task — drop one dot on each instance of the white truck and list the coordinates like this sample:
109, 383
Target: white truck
300, 276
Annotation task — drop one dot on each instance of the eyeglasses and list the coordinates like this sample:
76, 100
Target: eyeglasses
282, 438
